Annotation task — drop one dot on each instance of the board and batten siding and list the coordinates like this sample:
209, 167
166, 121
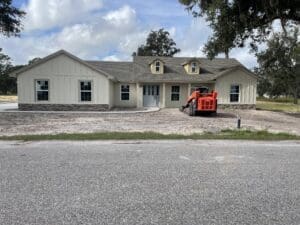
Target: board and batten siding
183, 96
64, 74
132, 102
247, 84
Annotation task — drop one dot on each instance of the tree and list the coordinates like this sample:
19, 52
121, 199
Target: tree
10, 19
34, 60
223, 37
243, 19
158, 43
7, 84
277, 66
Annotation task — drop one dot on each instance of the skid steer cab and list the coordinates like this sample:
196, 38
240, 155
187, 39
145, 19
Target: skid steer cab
201, 102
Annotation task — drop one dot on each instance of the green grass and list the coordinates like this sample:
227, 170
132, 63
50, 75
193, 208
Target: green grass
223, 135
278, 106
279, 99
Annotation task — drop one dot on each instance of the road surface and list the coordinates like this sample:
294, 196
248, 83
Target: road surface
150, 182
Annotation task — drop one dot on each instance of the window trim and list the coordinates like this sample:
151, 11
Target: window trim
35, 90
92, 87
157, 66
239, 94
175, 93
121, 92
196, 66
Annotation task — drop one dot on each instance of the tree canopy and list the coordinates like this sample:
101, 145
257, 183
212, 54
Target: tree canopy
158, 43
235, 21
7, 84
10, 19
277, 66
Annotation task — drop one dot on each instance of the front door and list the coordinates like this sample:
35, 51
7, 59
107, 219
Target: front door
150, 95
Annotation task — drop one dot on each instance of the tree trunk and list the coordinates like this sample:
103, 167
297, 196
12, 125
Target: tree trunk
226, 53
295, 96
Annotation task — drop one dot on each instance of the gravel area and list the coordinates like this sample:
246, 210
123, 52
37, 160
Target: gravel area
164, 121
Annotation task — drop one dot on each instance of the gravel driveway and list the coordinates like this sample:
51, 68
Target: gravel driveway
164, 121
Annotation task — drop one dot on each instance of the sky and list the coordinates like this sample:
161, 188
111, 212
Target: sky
106, 29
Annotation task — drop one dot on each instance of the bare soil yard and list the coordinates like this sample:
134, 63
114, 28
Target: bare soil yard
165, 121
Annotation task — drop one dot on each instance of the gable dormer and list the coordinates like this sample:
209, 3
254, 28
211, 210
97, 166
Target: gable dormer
157, 66
192, 66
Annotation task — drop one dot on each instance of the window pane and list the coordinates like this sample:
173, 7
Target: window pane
176, 89
125, 88
235, 89
125, 96
42, 95
86, 96
157, 66
175, 97
234, 97
42, 85
85, 86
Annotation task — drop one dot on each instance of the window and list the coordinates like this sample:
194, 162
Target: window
157, 66
193, 67
85, 91
42, 90
175, 93
125, 89
234, 93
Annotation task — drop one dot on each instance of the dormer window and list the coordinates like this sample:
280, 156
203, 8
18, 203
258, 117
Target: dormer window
193, 67
157, 66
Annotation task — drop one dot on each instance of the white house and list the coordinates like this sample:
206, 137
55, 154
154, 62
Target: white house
62, 81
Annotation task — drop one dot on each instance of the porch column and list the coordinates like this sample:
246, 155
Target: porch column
139, 95
163, 103
189, 89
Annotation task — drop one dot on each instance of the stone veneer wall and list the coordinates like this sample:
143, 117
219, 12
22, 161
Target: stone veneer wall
236, 106
63, 107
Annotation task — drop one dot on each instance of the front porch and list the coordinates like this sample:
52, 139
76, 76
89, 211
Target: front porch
166, 95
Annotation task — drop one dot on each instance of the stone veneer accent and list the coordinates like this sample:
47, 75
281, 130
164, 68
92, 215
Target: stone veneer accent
236, 106
63, 107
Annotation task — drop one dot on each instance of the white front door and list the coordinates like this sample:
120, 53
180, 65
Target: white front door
151, 95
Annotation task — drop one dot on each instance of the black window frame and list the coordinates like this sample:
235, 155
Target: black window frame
192, 67
235, 93
175, 94
40, 92
86, 95
125, 92
157, 66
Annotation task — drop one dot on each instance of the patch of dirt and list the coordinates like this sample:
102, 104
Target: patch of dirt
164, 121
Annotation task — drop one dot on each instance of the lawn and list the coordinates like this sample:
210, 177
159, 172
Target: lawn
223, 135
8, 98
278, 106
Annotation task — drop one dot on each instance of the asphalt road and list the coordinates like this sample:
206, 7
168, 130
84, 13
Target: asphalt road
150, 182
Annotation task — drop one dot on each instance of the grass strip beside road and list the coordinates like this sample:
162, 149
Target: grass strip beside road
223, 135
278, 106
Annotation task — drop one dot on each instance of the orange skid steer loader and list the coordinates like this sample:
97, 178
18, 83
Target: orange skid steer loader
201, 103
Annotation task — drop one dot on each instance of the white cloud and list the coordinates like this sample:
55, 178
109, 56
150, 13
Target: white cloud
48, 14
89, 40
111, 58
111, 35
122, 16
192, 39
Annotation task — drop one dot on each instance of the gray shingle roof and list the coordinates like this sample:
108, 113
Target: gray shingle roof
139, 70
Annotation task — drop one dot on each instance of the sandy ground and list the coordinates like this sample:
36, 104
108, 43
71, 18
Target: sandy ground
164, 121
